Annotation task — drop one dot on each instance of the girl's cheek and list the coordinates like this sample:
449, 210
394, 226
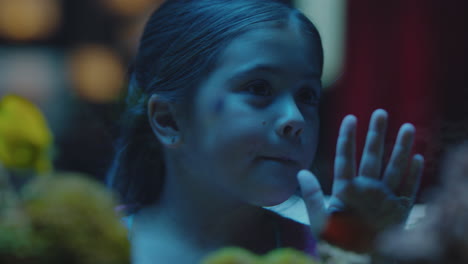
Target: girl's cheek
218, 106
254, 149
213, 113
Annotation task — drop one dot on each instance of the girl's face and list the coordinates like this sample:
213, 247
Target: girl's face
255, 119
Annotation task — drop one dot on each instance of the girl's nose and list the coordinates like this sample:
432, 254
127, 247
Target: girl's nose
291, 122
291, 130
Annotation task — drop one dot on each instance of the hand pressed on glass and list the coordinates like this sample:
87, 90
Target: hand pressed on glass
366, 202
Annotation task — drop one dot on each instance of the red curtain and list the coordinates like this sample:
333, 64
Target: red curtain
410, 58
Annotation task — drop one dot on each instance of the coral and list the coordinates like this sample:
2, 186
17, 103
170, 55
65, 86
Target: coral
73, 220
233, 255
57, 217
25, 138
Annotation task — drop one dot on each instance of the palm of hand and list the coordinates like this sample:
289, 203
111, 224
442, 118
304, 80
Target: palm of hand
374, 200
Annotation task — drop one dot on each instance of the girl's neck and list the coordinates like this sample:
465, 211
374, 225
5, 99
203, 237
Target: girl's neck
209, 228
206, 219
207, 222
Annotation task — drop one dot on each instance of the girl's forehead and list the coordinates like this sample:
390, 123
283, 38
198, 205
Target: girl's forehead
271, 49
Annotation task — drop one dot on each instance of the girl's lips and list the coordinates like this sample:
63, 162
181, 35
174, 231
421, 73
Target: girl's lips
281, 159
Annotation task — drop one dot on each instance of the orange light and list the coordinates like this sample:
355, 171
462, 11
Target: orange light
29, 19
131, 7
97, 74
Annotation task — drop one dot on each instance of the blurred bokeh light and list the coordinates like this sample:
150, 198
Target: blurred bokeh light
97, 73
25, 20
131, 7
27, 72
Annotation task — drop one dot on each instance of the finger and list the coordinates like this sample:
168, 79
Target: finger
345, 159
371, 161
411, 185
314, 201
398, 163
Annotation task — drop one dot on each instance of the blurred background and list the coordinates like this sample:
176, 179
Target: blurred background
406, 56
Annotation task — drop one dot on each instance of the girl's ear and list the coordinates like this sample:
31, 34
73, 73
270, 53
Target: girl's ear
162, 120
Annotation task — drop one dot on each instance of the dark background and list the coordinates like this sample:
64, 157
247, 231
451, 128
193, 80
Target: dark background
408, 57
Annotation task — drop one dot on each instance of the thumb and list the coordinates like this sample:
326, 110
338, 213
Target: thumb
314, 201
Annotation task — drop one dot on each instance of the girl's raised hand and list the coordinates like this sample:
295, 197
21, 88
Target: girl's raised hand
381, 200
365, 201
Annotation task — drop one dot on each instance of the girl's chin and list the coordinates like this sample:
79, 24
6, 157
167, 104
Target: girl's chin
275, 198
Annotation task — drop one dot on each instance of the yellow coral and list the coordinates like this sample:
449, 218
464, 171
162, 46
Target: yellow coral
25, 138
76, 216
287, 256
233, 255
69, 218
61, 218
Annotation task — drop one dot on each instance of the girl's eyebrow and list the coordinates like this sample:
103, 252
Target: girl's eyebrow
268, 68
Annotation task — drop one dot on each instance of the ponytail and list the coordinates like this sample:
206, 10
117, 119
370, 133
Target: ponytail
137, 171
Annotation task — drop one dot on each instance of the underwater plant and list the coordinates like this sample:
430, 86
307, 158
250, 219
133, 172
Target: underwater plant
234, 255
50, 217
25, 138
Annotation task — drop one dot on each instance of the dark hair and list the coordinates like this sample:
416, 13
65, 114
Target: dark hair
180, 45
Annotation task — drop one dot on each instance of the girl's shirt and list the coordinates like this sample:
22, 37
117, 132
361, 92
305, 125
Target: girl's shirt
288, 233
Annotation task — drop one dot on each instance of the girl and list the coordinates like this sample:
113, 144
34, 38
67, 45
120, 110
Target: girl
222, 120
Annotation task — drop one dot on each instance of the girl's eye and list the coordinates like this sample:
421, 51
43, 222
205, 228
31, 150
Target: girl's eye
308, 96
259, 88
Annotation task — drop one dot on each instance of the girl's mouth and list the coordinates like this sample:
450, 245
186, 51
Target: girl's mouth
281, 159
